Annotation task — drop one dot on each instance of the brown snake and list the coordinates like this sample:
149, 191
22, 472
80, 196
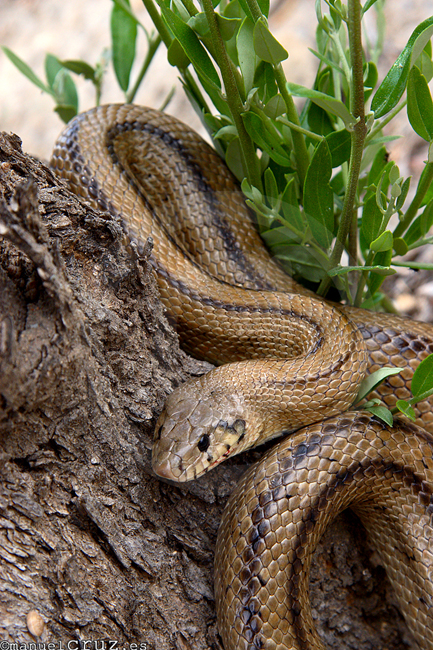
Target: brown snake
291, 360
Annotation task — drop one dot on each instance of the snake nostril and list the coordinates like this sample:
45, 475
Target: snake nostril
204, 442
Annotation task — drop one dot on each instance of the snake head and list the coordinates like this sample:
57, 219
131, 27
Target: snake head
196, 431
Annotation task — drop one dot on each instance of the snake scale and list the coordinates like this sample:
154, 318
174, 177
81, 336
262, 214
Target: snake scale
286, 360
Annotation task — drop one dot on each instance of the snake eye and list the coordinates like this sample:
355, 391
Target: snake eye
204, 442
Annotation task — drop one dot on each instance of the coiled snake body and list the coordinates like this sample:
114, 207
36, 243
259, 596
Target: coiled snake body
291, 360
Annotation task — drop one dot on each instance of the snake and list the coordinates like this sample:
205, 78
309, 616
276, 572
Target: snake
288, 365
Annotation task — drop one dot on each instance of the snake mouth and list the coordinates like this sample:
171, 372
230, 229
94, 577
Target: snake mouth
165, 470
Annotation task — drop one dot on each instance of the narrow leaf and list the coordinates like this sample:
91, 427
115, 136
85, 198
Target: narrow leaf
79, 67
330, 104
248, 61
318, 195
123, 38
190, 43
339, 143
393, 86
25, 70
422, 380
419, 105
370, 382
235, 160
371, 220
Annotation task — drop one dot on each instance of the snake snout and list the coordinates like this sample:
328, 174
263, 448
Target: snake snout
195, 433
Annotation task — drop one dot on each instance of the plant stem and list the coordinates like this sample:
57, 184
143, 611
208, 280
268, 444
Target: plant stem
158, 22
357, 138
300, 129
153, 46
234, 100
423, 185
255, 10
299, 145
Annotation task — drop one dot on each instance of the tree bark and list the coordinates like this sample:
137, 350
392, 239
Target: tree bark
89, 537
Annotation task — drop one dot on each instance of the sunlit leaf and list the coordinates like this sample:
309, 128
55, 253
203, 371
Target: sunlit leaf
370, 382
422, 380
419, 105
393, 86
406, 408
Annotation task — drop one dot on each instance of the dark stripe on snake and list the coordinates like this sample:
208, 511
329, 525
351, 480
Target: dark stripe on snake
218, 304
92, 187
231, 246
368, 468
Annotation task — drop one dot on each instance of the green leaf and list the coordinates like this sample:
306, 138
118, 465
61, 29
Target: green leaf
318, 195
404, 190
420, 226
248, 61
400, 246
382, 413
66, 113
264, 80
370, 79
275, 107
26, 70
125, 5
405, 407
228, 26
199, 24
378, 164
263, 4
419, 105
65, 91
265, 139
318, 120
79, 67
392, 87
290, 206
371, 220
367, 5
266, 46
330, 104
300, 260
422, 380
192, 47
235, 160
370, 382
376, 277
271, 188
383, 243
339, 143
176, 55
123, 39
52, 67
